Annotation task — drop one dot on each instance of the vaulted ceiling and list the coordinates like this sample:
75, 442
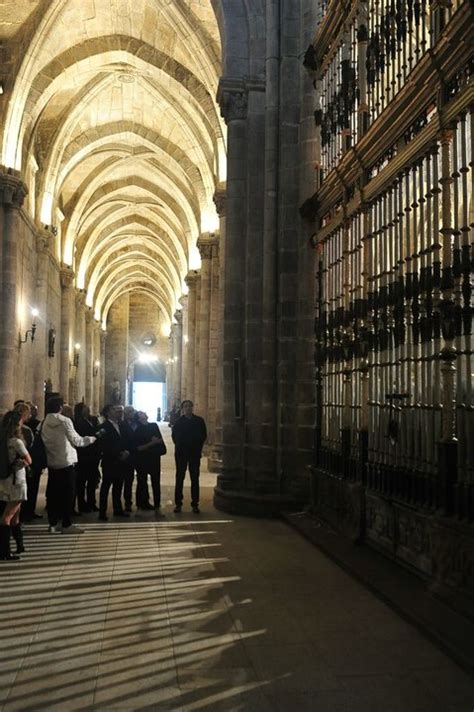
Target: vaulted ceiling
113, 122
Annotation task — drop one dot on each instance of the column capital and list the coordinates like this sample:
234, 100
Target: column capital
44, 242
178, 315
192, 277
220, 200
12, 189
67, 277
232, 98
183, 300
89, 316
80, 298
205, 244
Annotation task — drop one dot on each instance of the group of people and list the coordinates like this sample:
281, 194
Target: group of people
81, 451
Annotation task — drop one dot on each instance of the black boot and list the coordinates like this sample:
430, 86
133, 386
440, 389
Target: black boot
5, 554
17, 534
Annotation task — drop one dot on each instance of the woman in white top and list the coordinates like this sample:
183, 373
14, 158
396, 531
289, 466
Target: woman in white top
13, 487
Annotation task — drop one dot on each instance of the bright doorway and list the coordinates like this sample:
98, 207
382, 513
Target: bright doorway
149, 396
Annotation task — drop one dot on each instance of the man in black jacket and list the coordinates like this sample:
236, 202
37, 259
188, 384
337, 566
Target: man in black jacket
88, 475
189, 435
114, 457
128, 427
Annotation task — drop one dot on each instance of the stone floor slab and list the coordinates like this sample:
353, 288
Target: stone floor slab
203, 614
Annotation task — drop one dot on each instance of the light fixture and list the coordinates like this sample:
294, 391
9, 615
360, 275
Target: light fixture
77, 348
1, 88
29, 332
96, 368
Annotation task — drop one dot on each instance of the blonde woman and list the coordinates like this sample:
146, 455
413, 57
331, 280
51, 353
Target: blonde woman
12, 482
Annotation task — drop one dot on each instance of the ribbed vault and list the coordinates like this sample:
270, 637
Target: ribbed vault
113, 122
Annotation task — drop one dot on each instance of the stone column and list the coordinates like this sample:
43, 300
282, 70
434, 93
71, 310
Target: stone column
205, 245
191, 281
80, 354
103, 343
12, 195
116, 360
89, 356
44, 251
67, 327
233, 101
197, 340
184, 346
97, 369
177, 355
170, 371
215, 459
213, 343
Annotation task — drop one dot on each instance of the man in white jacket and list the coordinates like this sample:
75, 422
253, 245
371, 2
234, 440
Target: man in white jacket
60, 442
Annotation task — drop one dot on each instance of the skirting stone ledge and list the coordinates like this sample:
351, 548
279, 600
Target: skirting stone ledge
408, 594
252, 504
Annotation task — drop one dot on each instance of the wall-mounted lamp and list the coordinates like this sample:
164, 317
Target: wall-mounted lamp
51, 342
1, 88
31, 331
77, 349
96, 368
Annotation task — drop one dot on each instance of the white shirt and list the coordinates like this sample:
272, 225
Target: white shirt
60, 441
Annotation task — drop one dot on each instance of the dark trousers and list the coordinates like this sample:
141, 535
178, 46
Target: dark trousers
143, 495
112, 477
88, 477
60, 495
33, 483
129, 471
185, 460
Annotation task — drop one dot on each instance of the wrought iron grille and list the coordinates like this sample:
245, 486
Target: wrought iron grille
395, 286
377, 46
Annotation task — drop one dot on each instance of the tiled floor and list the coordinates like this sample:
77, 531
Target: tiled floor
205, 613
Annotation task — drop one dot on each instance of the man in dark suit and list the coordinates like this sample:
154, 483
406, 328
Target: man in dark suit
189, 435
88, 475
128, 426
114, 457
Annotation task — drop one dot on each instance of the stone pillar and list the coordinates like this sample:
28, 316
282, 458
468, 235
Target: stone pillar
233, 101
12, 195
197, 340
184, 346
89, 356
80, 354
205, 245
177, 355
309, 170
116, 360
170, 371
213, 344
97, 369
191, 281
44, 251
215, 459
67, 327
103, 344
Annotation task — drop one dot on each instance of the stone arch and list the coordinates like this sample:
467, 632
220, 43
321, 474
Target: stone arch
12, 145
123, 289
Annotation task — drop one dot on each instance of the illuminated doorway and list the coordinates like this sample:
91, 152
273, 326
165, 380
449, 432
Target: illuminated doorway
149, 396
147, 391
